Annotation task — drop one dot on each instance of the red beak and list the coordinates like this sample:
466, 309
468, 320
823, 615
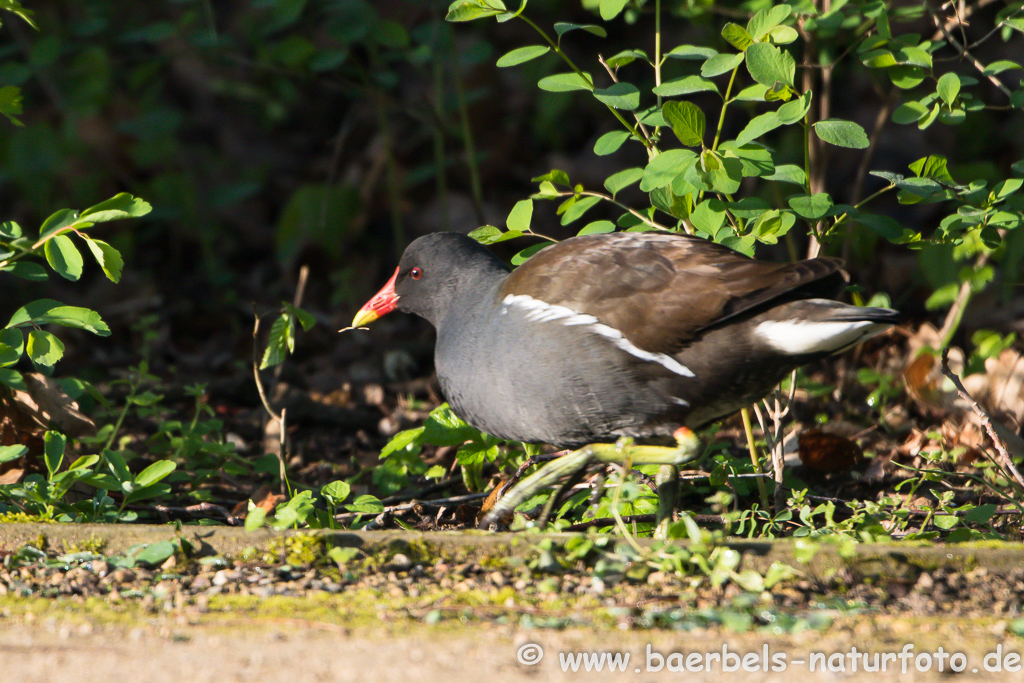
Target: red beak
382, 303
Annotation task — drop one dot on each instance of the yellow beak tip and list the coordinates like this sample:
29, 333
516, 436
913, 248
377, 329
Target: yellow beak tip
364, 317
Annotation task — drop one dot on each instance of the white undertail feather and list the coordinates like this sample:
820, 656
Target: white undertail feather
541, 312
797, 337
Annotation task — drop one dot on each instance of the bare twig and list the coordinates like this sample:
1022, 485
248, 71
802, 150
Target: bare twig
1004, 460
964, 52
639, 519
615, 79
200, 510
408, 507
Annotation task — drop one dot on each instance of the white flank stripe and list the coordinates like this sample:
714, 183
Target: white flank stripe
541, 312
805, 336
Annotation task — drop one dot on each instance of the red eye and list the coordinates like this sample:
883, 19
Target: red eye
415, 273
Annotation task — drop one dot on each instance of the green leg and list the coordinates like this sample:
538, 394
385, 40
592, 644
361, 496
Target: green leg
668, 496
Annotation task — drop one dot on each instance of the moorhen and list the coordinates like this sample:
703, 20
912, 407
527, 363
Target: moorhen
622, 334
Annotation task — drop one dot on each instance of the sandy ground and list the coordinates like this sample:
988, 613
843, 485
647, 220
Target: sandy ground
167, 649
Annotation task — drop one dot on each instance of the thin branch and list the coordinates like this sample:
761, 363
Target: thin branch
1004, 459
964, 52
615, 79
200, 510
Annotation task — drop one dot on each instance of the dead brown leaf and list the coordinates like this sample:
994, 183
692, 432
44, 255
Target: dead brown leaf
823, 452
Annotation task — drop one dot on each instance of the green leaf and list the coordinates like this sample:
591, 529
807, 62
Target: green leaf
748, 208
752, 93
562, 28
693, 52
485, 234
119, 468
610, 142
468, 10
336, 492
520, 215
15, 7
597, 227
929, 119
622, 179
44, 348
12, 379
157, 553
906, 77
10, 230
715, 172
842, 133
255, 518
948, 87
280, 343
909, 112
26, 270
566, 82
48, 311
556, 176
665, 200
812, 208
932, 166
791, 112
720, 64
1006, 188
686, 85
476, 453
9, 453
10, 103
155, 472
758, 126
708, 216
521, 55
444, 428
737, 36
401, 441
306, 320
524, 255
53, 451
999, 66
619, 96
755, 159
767, 19
580, 207
366, 504
108, 258
782, 35
687, 121
626, 57
878, 59
12, 345
57, 221
119, 206
664, 167
769, 65
64, 257
610, 8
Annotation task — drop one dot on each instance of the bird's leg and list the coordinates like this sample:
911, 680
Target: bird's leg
560, 494
687, 449
668, 497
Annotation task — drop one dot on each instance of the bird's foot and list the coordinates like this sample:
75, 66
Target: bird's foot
572, 466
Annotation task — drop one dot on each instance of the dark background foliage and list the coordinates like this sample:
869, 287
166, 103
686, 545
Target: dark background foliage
274, 133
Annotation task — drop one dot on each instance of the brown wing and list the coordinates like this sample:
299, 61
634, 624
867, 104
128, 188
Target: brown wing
660, 290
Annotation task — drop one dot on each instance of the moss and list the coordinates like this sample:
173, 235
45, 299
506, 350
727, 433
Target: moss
23, 517
93, 544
